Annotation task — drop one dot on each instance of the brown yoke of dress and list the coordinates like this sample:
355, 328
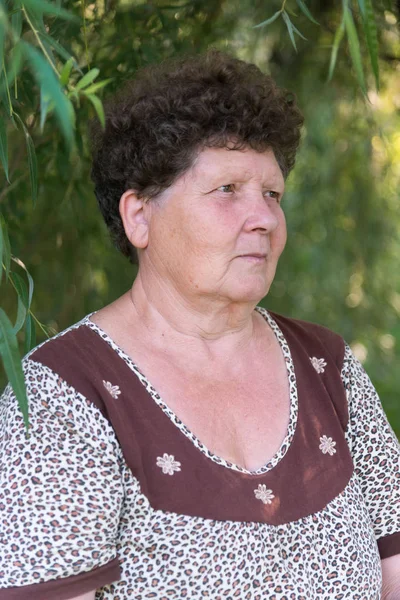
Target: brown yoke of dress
303, 482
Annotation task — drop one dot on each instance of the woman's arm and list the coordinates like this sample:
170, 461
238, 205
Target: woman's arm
390, 578
88, 596
61, 490
376, 456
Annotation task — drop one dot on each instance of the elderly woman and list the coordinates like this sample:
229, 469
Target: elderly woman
186, 443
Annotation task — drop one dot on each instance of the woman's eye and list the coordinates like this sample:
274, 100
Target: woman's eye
226, 188
274, 195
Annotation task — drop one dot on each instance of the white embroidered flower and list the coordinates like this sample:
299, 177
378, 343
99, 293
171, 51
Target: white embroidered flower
168, 464
112, 389
319, 364
261, 493
327, 445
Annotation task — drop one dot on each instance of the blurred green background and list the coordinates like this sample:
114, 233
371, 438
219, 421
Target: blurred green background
340, 267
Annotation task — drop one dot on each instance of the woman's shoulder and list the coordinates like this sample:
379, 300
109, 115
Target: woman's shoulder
41, 362
72, 334
66, 385
67, 363
315, 337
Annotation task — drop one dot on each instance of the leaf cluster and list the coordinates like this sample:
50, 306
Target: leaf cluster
346, 28
38, 75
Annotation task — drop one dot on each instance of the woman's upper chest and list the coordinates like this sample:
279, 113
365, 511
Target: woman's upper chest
239, 446
239, 411
243, 420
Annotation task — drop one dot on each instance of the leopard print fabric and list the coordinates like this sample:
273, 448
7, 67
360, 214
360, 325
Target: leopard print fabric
69, 504
374, 447
60, 489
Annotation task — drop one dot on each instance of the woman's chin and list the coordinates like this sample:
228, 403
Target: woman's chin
249, 293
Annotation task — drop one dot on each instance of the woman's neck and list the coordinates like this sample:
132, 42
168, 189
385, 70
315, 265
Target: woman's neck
210, 327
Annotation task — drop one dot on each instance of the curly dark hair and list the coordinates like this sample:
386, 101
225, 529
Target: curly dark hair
159, 123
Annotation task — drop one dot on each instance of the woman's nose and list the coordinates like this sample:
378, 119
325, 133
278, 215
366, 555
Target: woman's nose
262, 214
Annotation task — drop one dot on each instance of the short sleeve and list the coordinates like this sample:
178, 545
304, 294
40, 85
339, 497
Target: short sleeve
61, 493
376, 455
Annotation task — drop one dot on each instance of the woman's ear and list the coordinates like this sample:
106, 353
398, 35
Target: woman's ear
134, 218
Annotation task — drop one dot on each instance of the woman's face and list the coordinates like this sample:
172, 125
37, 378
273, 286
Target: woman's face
219, 230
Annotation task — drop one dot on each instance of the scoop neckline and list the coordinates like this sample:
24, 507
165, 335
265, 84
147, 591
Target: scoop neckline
156, 397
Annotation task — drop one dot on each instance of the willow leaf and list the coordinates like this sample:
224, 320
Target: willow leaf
66, 71
4, 147
61, 51
4, 89
21, 316
48, 8
305, 11
20, 288
371, 35
1, 252
361, 5
298, 32
354, 47
268, 21
16, 21
3, 29
50, 85
13, 68
12, 364
96, 86
6, 245
29, 277
44, 108
87, 79
32, 161
98, 106
335, 48
289, 26
39, 25
30, 334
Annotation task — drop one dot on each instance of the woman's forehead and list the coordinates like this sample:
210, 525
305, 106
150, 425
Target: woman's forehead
240, 164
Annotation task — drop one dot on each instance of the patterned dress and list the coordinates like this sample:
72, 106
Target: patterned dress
111, 491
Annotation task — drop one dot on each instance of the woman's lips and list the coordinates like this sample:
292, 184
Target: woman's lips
256, 258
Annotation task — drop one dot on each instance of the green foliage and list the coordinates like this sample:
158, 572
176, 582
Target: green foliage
10, 355
335, 48
30, 333
340, 265
32, 161
51, 90
291, 29
4, 150
371, 35
304, 9
347, 25
274, 17
5, 246
354, 45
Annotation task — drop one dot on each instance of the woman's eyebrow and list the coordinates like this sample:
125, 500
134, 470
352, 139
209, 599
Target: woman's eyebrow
212, 175
229, 174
